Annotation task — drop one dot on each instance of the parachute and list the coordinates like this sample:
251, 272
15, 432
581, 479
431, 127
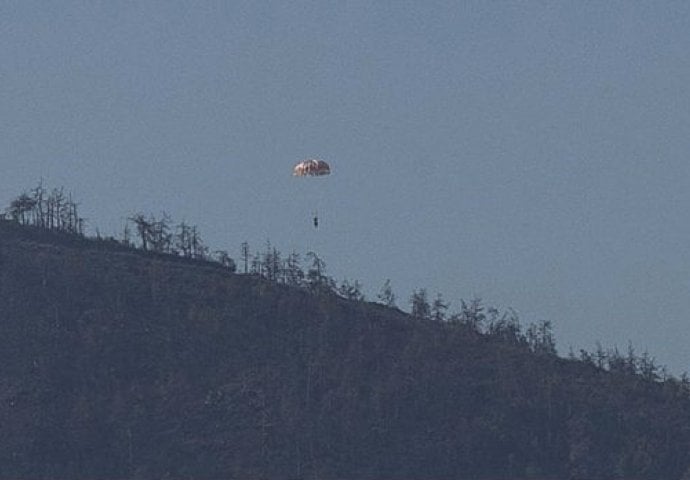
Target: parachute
311, 168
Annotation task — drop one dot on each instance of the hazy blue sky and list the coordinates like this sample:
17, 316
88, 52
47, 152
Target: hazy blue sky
534, 154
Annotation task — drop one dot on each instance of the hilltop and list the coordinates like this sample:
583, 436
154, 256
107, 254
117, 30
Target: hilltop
121, 363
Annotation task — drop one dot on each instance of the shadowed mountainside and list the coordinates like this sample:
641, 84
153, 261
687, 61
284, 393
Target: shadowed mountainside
118, 363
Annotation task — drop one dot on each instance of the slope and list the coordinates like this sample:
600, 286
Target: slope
121, 364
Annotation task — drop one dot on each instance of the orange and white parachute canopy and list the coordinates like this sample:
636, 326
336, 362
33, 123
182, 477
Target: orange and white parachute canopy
311, 168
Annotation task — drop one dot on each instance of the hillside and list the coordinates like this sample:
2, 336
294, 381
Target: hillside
118, 363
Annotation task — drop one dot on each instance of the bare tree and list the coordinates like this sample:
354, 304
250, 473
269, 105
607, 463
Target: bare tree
199, 250
316, 275
351, 291
160, 237
438, 308
183, 239
127, 234
270, 264
471, 314
420, 304
293, 271
224, 259
245, 256
21, 208
256, 265
386, 295
143, 229
38, 196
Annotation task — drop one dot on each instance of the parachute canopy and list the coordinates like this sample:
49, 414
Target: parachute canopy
311, 168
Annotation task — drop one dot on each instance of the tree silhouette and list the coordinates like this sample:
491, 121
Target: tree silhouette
351, 290
51, 212
143, 229
244, 248
386, 295
224, 259
420, 304
199, 250
316, 275
438, 308
21, 208
160, 238
540, 339
294, 275
271, 263
183, 239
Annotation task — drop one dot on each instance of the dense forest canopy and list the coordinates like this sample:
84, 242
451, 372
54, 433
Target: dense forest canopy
151, 356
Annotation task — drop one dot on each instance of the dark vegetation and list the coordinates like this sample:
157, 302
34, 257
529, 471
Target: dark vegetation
146, 357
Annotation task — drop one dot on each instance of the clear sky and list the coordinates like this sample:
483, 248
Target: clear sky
534, 154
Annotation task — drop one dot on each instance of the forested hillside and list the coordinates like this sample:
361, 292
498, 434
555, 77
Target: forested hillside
122, 363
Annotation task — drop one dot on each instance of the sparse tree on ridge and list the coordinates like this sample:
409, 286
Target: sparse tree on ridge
540, 339
127, 235
159, 232
293, 271
244, 248
224, 259
183, 239
386, 295
438, 308
316, 275
506, 326
472, 314
143, 229
38, 194
351, 291
199, 250
51, 212
20, 209
256, 265
420, 304
271, 263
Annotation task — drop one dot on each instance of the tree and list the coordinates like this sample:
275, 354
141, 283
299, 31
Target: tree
386, 295
420, 304
244, 248
256, 265
199, 250
159, 233
53, 212
316, 275
56, 202
351, 291
69, 218
21, 207
438, 308
471, 314
38, 194
506, 326
648, 369
127, 235
143, 229
271, 263
540, 338
183, 239
293, 273
224, 259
